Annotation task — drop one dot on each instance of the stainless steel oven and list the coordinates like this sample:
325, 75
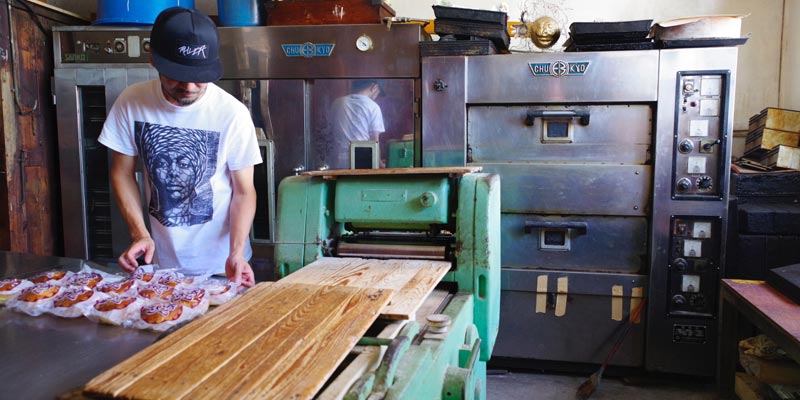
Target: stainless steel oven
289, 77
92, 67
614, 170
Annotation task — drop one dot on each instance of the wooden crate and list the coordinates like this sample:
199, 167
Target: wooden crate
766, 139
776, 118
782, 157
326, 12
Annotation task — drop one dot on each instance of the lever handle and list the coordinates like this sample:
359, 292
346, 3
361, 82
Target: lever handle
582, 114
579, 227
708, 146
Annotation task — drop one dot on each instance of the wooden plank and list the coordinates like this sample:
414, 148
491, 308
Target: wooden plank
301, 352
323, 12
326, 355
213, 348
411, 280
367, 359
116, 379
394, 171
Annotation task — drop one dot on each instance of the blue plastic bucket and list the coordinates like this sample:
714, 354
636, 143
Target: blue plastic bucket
238, 12
134, 12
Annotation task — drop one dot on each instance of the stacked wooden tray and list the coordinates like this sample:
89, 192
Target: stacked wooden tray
773, 138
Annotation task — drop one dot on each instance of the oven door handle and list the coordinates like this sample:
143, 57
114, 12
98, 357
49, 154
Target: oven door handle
579, 227
582, 114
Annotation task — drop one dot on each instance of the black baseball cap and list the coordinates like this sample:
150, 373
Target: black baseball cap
184, 44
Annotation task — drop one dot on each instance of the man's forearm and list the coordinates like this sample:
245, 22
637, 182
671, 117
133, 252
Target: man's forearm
126, 193
242, 211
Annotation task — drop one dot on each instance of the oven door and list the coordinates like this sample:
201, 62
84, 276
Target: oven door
93, 225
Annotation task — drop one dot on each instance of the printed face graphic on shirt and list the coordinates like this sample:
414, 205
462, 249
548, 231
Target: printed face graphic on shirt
179, 163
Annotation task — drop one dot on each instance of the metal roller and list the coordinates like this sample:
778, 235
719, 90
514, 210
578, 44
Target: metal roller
372, 250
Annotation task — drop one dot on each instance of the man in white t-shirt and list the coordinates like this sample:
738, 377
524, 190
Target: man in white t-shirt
357, 117
198, 147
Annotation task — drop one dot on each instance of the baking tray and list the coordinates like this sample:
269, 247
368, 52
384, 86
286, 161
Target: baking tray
700, 42
601, 31
456, 13
577, 47
457, 48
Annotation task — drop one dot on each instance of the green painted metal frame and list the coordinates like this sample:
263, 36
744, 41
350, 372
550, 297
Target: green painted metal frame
451, 367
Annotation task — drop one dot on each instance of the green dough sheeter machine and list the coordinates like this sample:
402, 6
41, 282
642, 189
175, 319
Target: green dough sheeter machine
444, 214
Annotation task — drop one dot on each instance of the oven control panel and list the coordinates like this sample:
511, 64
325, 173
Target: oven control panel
694, 262
104, 46
700, 139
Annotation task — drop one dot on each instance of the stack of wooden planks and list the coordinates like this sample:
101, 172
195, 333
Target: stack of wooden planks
773, 138
280, 339
277, 341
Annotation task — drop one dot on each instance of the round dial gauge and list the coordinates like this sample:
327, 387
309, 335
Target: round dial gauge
364, 43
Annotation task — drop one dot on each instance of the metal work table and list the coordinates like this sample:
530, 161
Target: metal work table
46, 356
771, 312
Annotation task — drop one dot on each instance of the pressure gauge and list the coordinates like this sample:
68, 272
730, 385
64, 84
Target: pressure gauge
364, 43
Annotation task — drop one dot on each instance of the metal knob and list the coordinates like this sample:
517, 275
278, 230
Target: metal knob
697, 301
428, 199
439, 85
438, 323
680, 264
298, 169
684, 184
686, 146
678, 300
704, 182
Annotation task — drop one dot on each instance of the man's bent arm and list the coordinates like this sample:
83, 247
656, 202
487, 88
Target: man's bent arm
242, 212
126, 192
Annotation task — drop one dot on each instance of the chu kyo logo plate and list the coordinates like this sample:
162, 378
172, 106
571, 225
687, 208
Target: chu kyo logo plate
560, 68
308, 49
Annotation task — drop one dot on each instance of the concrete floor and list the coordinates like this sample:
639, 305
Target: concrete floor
522, 385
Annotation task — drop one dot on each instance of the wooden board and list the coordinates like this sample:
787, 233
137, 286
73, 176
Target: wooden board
278, 340
327, 12
410, 280
394, 171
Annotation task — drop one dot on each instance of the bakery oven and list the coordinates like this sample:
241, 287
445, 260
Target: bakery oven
289, 77
614, 171
92, 67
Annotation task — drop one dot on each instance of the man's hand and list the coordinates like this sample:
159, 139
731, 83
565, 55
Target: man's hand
237, 270
139, 247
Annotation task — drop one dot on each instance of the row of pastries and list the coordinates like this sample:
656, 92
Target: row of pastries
147, 299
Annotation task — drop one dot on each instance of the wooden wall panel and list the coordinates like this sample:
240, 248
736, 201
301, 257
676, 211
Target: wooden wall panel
30, 210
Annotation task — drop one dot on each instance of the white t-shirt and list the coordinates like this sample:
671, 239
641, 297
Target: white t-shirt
355, 117
188, 154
